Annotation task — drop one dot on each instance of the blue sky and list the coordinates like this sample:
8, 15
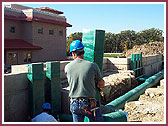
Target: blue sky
110, 17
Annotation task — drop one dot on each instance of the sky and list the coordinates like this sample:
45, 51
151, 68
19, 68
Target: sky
111, 17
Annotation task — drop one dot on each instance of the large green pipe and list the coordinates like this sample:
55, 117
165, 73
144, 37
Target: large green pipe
136, 92
119, 116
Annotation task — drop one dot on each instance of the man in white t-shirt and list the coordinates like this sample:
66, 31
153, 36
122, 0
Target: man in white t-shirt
45, 116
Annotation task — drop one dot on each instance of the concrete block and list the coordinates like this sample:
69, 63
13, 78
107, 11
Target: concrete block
119, 60
123, 67
105, 60
65, 101
19, 69
144, 61
147, 70
63, 64
16, 106
16, 81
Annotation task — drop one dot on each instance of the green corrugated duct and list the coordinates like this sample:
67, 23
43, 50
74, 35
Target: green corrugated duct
136, 92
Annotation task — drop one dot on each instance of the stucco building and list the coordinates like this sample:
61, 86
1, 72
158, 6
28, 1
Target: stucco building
33, 34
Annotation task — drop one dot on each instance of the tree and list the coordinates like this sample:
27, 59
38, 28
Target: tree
72, 37
124, 40
149, 35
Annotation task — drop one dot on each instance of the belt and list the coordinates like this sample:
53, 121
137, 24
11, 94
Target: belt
83, 99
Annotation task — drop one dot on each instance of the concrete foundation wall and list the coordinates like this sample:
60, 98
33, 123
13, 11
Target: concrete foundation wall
15, 97
16, 90
152, 64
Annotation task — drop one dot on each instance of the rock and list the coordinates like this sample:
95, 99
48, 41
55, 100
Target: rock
116, 85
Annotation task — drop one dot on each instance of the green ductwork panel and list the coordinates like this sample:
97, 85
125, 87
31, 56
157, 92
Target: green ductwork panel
36, 79
140, 63
136, 92
93, 41
53, 86
133, 61
136, 62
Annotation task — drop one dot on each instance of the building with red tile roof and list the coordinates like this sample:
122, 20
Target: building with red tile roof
33, 34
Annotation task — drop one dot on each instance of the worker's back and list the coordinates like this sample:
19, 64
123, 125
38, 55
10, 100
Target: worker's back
44, 117
81, 76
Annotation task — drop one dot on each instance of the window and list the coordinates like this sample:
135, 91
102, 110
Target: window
27, 57
51, 32
12, 58
60, 32
12, 29
40, 30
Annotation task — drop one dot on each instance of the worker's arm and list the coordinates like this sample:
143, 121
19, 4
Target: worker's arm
100, 84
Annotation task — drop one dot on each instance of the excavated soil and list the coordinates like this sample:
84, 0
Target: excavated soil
116, 85
149, 107
151, 48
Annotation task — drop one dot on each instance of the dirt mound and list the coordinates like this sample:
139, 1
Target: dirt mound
149, 108
151, 48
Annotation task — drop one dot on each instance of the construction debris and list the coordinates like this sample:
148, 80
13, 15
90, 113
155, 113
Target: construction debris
151, 48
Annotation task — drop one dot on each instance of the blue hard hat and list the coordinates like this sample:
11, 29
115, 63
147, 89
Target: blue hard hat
75, 45
46, 106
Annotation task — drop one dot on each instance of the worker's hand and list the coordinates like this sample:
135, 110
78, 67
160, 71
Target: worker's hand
100, 84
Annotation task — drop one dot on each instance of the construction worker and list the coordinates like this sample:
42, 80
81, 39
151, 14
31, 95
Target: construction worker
45, 116
82, 75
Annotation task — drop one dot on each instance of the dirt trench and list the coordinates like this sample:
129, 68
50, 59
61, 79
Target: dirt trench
148, 108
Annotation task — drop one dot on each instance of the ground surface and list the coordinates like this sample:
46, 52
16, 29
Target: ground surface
149, 107
151, 48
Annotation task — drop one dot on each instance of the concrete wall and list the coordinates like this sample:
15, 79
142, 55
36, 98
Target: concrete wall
15, 97
16, 91
152, 64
